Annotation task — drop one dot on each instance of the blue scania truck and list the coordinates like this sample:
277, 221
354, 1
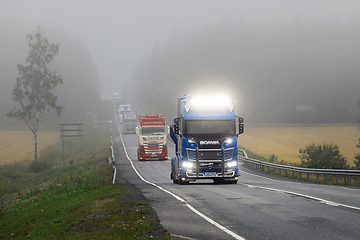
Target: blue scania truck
205, 134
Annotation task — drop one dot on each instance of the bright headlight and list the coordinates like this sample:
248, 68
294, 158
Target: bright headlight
231, 164
187, 164
210, 100
229, 140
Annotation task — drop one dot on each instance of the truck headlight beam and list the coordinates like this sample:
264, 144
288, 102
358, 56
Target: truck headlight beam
187, 164
231, 164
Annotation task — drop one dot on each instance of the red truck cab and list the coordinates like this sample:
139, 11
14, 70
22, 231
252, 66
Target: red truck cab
152, 137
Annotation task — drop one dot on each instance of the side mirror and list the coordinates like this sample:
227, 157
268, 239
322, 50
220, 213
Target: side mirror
176, 125
241, 125
138, 130
167, 130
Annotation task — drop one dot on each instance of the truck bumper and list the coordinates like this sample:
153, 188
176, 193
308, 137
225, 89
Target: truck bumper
160, 156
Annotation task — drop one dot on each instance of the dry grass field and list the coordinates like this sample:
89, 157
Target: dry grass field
16, 146
285, 142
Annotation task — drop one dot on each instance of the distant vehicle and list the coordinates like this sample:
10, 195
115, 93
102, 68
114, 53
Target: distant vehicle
115, 96
205, 136
152, 137
118, 100
122, 110
129, 122
121, 100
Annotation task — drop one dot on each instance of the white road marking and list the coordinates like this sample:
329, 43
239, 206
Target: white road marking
305, 196
231, 233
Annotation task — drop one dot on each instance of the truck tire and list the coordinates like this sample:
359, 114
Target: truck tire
172, 175
174, 179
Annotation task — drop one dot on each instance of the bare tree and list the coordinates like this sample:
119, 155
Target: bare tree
34, 88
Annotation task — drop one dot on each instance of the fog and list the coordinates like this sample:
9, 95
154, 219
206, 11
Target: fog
121, 42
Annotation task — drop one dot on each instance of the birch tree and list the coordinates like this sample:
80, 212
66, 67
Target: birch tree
34, 87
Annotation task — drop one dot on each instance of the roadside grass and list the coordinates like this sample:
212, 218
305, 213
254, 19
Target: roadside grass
73, 200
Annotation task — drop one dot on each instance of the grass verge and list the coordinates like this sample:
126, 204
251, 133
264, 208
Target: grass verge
74, 201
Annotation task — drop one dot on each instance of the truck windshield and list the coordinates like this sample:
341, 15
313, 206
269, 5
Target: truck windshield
153, 131
200, 127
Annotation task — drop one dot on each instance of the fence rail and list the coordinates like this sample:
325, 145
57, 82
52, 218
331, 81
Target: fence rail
260, 165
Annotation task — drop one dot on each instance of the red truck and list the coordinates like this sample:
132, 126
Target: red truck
152, 137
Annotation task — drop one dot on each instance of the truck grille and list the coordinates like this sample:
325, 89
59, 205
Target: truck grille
210, 154
153, 148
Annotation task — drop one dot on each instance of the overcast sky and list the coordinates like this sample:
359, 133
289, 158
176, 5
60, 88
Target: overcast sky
121, 33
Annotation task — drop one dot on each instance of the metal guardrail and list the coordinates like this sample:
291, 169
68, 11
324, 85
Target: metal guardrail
112, 161
260, 165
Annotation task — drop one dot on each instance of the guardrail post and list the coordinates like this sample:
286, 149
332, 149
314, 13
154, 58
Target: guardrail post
285, 172
114, 176
268, 169
326, 179
308, 177
279, 171
349, 179
300, 176
337, 179
317, 178
293, 174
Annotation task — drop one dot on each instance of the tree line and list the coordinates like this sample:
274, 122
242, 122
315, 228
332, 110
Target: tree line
304, 72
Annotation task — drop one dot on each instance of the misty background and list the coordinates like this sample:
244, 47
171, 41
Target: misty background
283, 61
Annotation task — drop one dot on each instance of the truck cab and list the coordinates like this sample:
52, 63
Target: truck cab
123, 108
129, 122
152, 137
205, 134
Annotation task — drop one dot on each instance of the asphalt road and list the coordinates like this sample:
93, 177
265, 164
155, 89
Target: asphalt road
259, 206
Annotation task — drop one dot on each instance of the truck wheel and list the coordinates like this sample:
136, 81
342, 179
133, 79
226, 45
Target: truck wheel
172, 176
174, 179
